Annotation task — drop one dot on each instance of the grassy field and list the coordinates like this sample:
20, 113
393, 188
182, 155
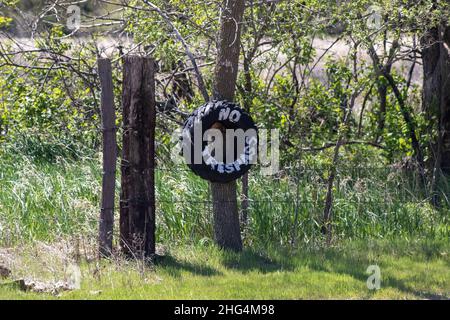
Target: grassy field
51, 199
409, 270
48, 225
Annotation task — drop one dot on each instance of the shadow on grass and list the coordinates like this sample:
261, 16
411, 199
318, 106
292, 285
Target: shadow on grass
400, 285
350, 263
249, 260
355, 265
339, 262
175, 267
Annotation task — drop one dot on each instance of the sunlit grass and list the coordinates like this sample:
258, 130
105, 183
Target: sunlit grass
47, 200
409, 270
49, 217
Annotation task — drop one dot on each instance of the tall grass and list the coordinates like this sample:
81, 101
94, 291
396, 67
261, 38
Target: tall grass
368, 203
46, 200
42, 200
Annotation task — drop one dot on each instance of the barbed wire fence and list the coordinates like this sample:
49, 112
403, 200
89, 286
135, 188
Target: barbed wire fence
287, 208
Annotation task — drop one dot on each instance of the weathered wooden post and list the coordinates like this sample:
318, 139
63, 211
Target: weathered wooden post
137, 199
106, 223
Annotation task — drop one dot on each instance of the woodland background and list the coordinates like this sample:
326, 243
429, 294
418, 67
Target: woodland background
360, 91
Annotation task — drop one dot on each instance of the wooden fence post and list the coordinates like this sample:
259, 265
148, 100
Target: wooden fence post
137, 199
106, 223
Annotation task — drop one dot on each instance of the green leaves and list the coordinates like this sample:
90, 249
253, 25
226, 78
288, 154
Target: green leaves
4, 21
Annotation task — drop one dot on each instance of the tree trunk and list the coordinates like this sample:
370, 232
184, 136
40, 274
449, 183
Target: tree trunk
106, 223
244, 200
382, 98
226, 217
328, 208
436, 91
137, 203
384, 70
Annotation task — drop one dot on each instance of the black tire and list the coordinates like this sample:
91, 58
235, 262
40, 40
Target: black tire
230, 116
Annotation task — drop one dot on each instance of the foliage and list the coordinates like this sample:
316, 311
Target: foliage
46, 201
301, 64
287, 92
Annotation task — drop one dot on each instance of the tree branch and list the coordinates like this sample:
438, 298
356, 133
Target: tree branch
201, 83
353, 142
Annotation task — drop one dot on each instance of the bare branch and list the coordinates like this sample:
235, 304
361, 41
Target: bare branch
201, 83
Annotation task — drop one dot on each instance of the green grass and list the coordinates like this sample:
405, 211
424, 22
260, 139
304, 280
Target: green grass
409, 270
49, 216
48, 200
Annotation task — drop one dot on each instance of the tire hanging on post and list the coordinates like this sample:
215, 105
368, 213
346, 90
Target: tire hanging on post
220, 115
